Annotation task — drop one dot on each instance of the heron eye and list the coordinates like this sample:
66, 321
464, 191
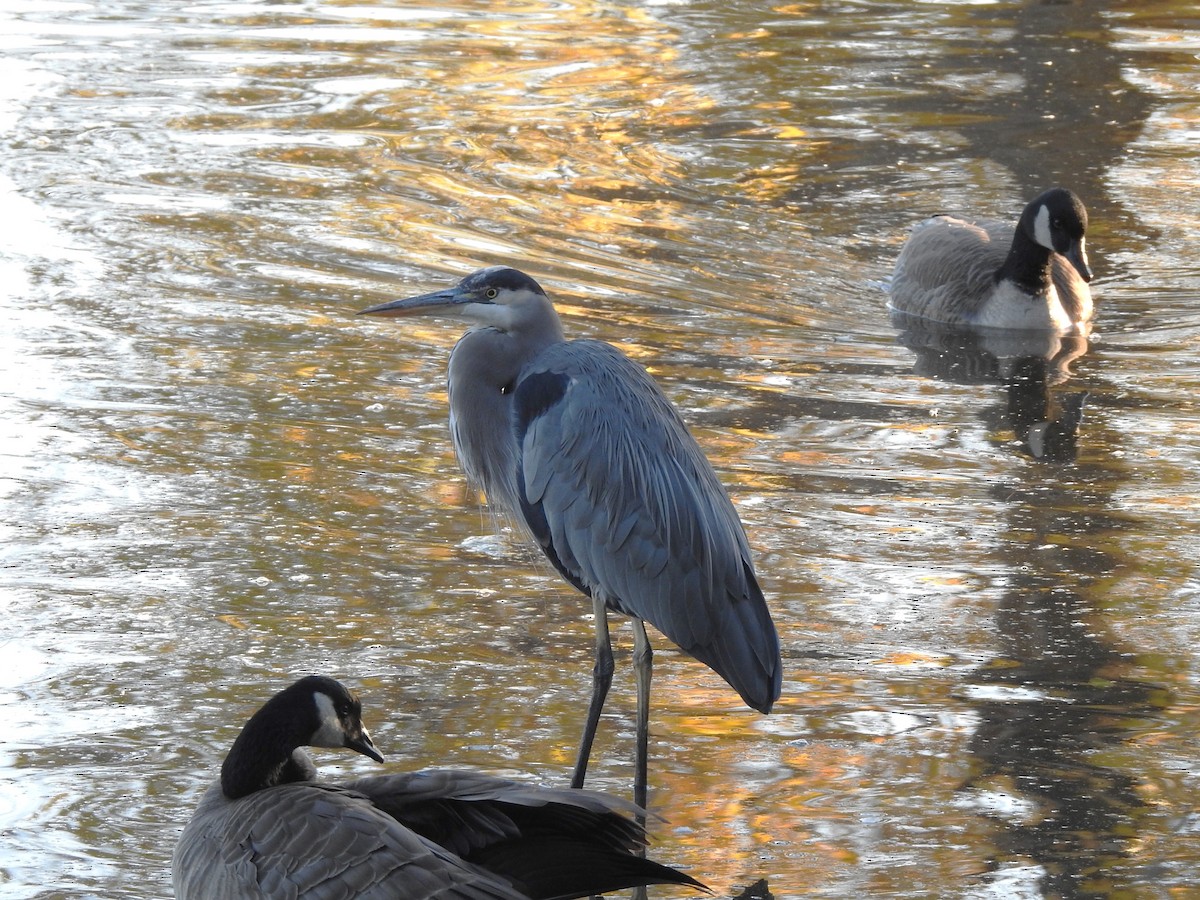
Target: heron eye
491, 293
507, 389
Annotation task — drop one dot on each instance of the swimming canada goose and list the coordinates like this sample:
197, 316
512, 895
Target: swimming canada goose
268, 829
973, 272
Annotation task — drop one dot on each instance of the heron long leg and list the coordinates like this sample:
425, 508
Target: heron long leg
601, 681
643, 659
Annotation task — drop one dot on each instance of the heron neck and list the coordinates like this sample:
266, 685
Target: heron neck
537, 327
484, 369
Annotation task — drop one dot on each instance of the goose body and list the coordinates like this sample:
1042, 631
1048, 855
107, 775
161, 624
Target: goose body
1033, 277
269, 830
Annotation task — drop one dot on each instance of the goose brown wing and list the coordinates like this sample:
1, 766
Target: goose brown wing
548, 842
946, 269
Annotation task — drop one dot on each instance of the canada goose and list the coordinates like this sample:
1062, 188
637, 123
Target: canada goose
969, 272
268, 829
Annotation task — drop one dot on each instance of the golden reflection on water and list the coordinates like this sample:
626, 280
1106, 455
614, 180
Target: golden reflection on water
225, 478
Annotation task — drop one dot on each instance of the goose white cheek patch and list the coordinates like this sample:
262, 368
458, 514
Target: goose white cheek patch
330, 732
1041, 228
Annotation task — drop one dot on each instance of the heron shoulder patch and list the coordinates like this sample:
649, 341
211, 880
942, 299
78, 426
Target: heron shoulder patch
535, 395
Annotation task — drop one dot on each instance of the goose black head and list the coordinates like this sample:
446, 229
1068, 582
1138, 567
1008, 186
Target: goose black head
1057, 220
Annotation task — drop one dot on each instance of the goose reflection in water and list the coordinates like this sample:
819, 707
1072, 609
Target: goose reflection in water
1027, 363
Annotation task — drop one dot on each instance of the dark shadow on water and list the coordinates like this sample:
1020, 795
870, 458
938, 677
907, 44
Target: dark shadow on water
1069, 70
1046, 424
1071, 698
1060, 692
1029, 365
757, 891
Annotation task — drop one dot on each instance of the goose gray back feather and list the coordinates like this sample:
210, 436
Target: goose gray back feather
1035, 276
312, 840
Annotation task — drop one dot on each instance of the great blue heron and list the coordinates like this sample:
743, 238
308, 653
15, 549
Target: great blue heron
580, 443
269, 829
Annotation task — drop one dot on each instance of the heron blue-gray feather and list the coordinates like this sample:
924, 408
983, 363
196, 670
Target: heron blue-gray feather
483, 373
629, 506
579, 443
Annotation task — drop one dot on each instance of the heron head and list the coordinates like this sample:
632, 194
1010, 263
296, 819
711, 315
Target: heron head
495, 296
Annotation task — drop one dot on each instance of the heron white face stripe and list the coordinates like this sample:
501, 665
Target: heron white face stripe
330, 733
1041, 228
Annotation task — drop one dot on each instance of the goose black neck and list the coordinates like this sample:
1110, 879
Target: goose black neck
1028, 262
267, 752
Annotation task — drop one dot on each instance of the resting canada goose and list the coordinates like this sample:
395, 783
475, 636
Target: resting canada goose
268, 829
966, 272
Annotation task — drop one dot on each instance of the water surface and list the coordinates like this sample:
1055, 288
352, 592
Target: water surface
215, 478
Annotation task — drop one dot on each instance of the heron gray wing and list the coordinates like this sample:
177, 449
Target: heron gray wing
947, 267
625, 504
317, 842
